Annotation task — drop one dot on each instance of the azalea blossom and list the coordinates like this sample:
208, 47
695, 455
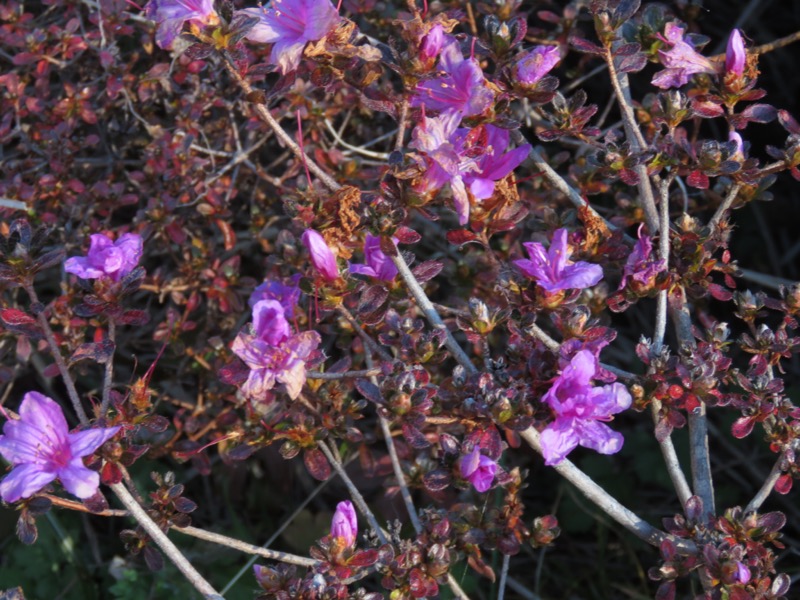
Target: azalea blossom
378, 264
532, 66
580, 409
461, 86
681, 61
445, 159
735, 54
41, 449
287, 295
478, 469
290, 25
737, 139
552, 269
432, 42
494, 164
273, 354
322, 257
642, 265
170, 15
344, 524
107, 258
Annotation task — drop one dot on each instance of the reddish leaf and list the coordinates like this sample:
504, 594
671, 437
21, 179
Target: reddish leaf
742, 427
481, 567
133, 317
406, 235
99, 352
110, 473
582, 45
414, 437
19, 322
436, 480
317, 464
363, 558
372, 299
461, 236
698, 179
228, 234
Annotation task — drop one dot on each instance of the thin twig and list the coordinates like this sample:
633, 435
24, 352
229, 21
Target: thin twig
343, 375
698, 426
430, 313
501, 587
267, 117
726, 204
368, 341
165, 544
621, 85
608, 503
224, 540
55, 350
109, 371
766, 488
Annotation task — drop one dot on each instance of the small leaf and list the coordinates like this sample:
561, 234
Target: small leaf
415, 437
406, 235
461, 237
372, 299
317, 464
26, 528
742, 427
99, 352
19, 322
582, 45
760, 113
427, 270
153, 558
436, 480
370, 391
363, 558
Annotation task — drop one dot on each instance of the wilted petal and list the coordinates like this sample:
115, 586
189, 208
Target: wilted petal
558, 439
599, 437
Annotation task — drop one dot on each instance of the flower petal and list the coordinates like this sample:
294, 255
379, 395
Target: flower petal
84, 443
78, 480
24, 481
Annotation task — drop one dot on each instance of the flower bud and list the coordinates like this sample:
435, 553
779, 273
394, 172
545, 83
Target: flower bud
478, 469
735, 54
432, 44
344, 524
322, 257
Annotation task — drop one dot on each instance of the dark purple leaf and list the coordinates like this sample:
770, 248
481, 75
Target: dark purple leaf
26, 528
184, 505
370, 391
19, 322
437, 480
633, 63
760, 113
582, 45
99, 352
153, 558
427, 270
415, 437
133, 317
372, 299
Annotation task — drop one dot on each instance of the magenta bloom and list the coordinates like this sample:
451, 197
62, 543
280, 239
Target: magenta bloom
170, 15
41, 449
344, 524
272, 353
106, 258
742, 573
445, 159
495, 163
287, 295
681, 61
378, 264
478, 469
642, 265
737, 139
553, 270
535, 64
579, 409
735, 54
290, 25
460, 87
322, 257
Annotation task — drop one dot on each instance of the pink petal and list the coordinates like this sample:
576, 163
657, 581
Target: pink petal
24, 481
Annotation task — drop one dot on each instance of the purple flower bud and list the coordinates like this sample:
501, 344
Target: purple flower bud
40, 448
322, 257
535, 64
344, 524
269, 322
735, 137
478, 469
287, 295
432, 43
107, 258
742, 574
378, 264
735, 54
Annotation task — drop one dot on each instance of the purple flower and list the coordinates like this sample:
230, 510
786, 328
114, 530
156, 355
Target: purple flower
642, 265
445, 160
460, 86
170, 15
378, 264
495, 163
322, 257
290, 25
106, 258
41, 449
272, 353
681, 61
287, 295
742, 574
553, 270
535, 64
735, 54
478, 469
579, 409
344, 524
